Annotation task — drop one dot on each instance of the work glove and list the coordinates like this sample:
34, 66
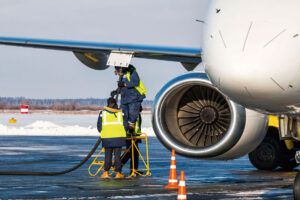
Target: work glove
121, 84
113, 93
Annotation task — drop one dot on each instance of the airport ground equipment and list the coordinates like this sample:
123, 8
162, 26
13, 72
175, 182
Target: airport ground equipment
97, 164
30, 173
24, 109
182, 188
172, 181
12, 120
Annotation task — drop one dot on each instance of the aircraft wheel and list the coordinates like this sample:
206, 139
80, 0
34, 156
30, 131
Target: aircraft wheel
266, 155
289, 165
288, 161
297, 187
287, 157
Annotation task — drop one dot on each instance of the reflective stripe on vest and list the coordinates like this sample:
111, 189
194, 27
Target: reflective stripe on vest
140, 88
112, 125
105, 122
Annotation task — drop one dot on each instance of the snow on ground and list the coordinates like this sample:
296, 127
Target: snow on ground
47, 128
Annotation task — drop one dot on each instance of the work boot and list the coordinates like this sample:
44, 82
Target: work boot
119, 175
105, 175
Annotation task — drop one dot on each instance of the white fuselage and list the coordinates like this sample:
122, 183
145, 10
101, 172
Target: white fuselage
251, 52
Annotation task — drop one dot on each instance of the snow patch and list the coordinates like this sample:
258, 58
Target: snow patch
47, 128
42, 124
149, 131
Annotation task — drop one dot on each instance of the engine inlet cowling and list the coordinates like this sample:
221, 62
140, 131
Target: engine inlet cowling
203, 116
196, 119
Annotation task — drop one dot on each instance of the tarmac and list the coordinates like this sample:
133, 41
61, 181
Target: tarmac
236, 179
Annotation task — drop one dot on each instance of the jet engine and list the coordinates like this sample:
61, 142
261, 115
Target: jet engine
95, 61
193, 117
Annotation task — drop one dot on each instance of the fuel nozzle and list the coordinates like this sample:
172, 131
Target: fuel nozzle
120, 71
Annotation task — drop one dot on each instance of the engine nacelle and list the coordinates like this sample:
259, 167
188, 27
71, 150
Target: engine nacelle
193, 117
95, 61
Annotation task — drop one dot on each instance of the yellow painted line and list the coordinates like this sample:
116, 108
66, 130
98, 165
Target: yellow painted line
91, 57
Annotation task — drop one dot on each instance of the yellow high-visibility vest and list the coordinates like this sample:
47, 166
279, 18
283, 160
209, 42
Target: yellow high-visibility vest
140, 88
112, 125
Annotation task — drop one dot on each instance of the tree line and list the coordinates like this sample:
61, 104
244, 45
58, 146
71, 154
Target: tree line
93, 104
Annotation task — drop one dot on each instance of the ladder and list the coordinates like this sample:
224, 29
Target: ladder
97, 164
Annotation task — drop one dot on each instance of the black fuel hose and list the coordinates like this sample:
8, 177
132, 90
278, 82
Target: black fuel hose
119, 88
28, 173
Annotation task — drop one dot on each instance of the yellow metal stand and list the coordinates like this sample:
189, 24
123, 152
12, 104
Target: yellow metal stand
146, 163
98, 163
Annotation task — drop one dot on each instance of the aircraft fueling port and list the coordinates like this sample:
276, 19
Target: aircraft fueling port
97, 164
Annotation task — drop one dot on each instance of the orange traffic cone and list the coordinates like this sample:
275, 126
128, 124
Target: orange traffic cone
173, 182
182, 188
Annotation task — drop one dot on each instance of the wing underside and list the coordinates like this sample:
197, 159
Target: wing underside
187, 56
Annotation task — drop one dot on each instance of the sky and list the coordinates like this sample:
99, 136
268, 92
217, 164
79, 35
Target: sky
37, 73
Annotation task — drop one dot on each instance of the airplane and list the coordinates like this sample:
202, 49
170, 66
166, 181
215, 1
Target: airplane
248, 99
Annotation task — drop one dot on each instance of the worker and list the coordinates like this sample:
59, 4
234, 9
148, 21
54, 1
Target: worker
128, 154
113, 134
133, 92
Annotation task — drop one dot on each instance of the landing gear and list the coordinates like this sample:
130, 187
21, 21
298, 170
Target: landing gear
297, 187
266, 155
289, 163
273, 153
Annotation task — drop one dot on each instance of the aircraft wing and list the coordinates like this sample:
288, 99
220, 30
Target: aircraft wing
187, 56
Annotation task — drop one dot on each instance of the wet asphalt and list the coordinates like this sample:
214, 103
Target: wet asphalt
236, 179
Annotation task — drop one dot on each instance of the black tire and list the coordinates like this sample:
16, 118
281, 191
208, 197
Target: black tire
287, 157
297, 187
267, 155
289, 165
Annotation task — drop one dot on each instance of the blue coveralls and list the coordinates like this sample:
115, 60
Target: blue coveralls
131, 99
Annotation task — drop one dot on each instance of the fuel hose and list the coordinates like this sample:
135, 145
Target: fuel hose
29, 173
119, 89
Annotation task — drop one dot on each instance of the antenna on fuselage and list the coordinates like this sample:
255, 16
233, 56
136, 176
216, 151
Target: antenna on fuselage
201, 21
